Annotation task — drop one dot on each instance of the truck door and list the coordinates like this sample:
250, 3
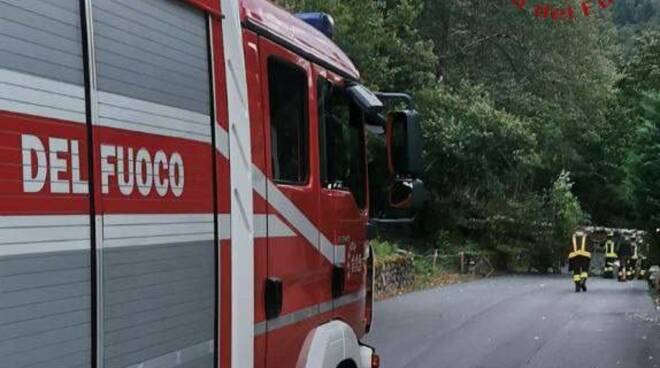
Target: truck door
45, 283
343, 193
293, 201
155, 212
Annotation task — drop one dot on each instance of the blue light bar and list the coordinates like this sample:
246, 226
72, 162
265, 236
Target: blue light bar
321, 21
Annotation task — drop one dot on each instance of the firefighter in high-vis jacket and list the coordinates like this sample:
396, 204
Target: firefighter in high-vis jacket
579, 261
610, 256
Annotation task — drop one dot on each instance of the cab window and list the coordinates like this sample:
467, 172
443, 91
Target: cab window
342, 153
288, 122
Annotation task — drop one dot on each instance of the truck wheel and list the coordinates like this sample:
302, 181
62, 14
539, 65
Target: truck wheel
347, 364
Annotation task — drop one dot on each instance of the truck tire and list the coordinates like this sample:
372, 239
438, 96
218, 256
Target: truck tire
347, 364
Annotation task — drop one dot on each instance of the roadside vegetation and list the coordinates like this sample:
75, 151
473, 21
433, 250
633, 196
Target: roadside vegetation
426, 270
532, 127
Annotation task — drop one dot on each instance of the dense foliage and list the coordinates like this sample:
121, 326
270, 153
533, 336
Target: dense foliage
532, 126
633, 16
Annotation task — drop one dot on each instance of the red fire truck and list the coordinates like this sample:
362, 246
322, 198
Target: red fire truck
183, 185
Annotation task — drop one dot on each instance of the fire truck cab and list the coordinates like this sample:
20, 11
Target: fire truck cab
184, 184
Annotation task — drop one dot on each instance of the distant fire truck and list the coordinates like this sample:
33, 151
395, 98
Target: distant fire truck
184, 184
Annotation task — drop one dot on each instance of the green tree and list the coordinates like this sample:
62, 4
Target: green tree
638, 87
646, 163
381, 39
508, 102
641, 73
566, 215
566, 209
556, 76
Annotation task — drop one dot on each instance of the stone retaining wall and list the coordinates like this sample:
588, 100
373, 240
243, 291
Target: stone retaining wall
394, 274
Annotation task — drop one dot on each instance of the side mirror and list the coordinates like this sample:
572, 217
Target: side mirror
406, 196
366, 100
404, 143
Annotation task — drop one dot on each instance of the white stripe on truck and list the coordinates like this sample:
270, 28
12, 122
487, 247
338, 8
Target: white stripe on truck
141, 230
137, 115
20, 235
32, 95
179, 357
241, 194
306, 313
285, 207
270, 226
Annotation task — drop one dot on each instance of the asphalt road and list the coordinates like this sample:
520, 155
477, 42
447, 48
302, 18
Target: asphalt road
521, 321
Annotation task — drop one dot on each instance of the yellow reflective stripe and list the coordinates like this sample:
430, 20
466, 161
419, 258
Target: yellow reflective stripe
609, 247
579, 253
582, 247
611, 255
575, 247
584, 275
583, 253
576, 278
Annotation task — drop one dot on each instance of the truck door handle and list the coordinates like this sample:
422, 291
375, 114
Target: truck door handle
274, 296
338, 280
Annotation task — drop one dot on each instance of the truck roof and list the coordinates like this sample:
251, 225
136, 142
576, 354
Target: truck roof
275, 22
